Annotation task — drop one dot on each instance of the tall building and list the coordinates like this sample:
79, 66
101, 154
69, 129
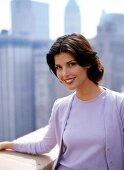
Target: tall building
16, 87
110, 46
30, 19
40, 11
72, 18
43, 99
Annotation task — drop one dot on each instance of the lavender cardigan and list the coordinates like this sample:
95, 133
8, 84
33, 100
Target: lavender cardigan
114, 126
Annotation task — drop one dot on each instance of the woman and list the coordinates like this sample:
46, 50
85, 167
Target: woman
88, 124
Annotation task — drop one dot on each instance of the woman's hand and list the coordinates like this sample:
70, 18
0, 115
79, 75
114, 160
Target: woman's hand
6, 145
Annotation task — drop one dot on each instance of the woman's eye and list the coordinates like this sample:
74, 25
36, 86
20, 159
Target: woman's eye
57, 67
72, 64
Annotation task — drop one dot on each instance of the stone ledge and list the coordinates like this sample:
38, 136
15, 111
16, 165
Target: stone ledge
11, 160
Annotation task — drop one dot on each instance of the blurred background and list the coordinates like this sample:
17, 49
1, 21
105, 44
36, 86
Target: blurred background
27, 30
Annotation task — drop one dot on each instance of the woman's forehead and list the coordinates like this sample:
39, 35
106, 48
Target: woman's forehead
63, 58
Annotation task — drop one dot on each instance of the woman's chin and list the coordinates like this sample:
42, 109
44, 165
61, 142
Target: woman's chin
69, 87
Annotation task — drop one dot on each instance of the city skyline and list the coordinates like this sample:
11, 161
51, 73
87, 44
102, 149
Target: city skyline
91, 8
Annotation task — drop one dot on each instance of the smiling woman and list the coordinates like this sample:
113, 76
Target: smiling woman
68, 71
85, 123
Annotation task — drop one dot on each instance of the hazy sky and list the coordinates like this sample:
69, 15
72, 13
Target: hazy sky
91, 11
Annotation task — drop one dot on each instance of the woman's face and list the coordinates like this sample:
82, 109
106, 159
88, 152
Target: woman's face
69, 72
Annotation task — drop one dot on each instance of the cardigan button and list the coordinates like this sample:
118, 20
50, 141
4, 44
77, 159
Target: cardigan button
110, 162
108, 149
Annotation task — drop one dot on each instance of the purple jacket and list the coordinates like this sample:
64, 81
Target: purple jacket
114, 126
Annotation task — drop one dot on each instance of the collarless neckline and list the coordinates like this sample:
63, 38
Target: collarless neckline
76, 98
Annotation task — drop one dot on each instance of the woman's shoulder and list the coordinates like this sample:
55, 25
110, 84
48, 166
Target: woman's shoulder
64, 100
116, 94
61, 104
118, 97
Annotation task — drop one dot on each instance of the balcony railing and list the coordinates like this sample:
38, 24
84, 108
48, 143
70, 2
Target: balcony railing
11, 160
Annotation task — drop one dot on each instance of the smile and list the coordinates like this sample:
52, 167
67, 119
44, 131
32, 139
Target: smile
69, 81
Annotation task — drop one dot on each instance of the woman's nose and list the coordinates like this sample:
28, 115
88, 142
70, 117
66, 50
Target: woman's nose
65, 71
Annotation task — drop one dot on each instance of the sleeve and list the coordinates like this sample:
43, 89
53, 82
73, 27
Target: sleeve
120, 107
122, 110
44, 145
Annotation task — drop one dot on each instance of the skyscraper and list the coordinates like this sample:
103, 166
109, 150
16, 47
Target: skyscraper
72, 18
16, 87
40, 11
110, 46
30, 19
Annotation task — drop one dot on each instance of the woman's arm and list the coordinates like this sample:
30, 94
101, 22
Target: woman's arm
39, 146
44, 145
6, 145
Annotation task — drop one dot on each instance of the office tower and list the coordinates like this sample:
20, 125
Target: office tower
22, 18
25, 94
72, 18
30, 19
16, 88
43, 98
110, 46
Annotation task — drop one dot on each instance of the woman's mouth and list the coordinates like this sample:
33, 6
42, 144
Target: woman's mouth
69, 81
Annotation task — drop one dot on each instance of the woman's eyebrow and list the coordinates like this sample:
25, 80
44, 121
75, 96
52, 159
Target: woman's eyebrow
70, 61
66, 62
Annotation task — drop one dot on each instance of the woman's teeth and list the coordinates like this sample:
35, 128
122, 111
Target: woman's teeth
69, 80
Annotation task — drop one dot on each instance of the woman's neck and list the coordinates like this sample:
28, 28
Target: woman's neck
89, 92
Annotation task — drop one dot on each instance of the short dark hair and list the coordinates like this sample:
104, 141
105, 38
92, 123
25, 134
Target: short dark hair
79, 47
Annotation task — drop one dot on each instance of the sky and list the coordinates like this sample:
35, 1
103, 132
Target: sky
90, 10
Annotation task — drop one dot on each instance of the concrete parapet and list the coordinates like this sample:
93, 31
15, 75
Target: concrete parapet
11, 160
